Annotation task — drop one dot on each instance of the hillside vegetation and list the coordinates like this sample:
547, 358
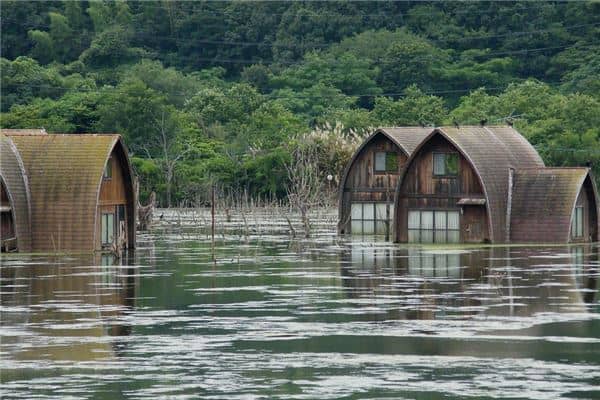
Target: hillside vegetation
223, 93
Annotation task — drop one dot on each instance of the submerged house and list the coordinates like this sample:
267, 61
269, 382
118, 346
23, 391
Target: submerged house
14, 199
79, 191
370, 179
480, 184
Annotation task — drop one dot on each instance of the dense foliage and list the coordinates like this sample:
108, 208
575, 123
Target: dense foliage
223, 92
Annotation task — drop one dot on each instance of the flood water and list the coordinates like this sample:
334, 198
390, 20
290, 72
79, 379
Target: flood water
264, 315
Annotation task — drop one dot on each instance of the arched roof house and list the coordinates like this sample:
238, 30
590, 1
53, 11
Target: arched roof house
368, 184
81, 191
455, 185
15, 207
554, 205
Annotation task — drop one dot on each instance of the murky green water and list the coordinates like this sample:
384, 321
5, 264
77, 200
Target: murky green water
320, 318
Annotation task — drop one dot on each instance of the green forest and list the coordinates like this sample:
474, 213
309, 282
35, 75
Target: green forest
224, 94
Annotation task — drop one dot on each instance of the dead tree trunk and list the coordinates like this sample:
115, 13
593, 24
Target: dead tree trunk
145, 213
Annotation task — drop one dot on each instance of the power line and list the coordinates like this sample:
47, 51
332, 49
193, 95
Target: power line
291, 95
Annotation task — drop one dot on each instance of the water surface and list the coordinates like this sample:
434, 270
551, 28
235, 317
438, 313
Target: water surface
263, 315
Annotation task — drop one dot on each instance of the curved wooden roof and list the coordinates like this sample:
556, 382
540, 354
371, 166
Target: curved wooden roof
12, 173
405, 137
492, 151
543, 202
65, 175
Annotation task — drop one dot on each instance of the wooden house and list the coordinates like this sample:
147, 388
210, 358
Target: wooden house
81, 191
369, 182
554, 205
480, 184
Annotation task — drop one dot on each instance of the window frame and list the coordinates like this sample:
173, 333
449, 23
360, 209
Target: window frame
433, 231
577, 229
445, 154
104, 216
386, 170
375, 220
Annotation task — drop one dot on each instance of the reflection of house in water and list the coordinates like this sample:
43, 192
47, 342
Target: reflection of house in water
68, 308
433, 284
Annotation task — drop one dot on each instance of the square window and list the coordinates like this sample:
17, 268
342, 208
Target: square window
386, 161
380, 161
445, 164
356, 211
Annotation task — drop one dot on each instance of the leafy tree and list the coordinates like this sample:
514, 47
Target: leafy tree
414, 108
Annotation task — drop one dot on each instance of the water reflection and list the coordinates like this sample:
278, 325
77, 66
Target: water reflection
442, 284
65, 307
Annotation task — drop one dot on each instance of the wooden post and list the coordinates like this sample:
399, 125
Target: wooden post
212, 213
387, 209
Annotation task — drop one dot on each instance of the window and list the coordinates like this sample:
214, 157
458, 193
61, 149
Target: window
445, 164
108, 228
386, 161
433, 226
108, 169
370, 218
577, 223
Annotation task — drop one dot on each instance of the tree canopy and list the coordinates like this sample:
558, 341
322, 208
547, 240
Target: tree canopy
223, 92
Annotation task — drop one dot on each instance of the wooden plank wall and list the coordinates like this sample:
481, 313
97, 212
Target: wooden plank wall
364, 184
421, 190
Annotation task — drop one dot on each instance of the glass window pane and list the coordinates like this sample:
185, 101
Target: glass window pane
111, 227
391, 162
368, 227
452, 164
426, 219
453, 220
453, 237
413, 236
426, 236
579, 221
369, 211
380, 209
380, 161
356, 211
440, 220
356, 227
380, 226
104, 232
439, 164
414, 219
440, 236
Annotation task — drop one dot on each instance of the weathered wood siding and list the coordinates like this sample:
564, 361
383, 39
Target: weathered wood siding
364, 184
14, 179
115, 191
421, 190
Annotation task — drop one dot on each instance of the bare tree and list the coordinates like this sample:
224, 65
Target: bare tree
171, 148
305, 188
